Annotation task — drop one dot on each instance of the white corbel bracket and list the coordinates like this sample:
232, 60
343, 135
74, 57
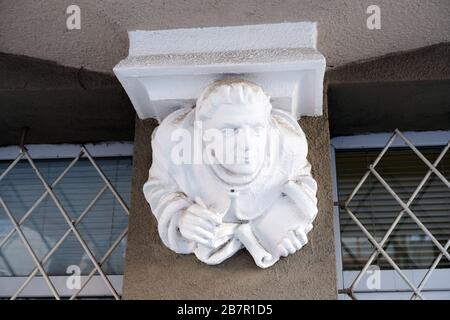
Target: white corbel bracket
167, 69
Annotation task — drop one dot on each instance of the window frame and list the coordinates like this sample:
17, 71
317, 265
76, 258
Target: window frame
396, 288
37, 288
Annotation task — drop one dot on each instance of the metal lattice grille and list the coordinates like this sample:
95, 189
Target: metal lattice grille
379, 245
72, 224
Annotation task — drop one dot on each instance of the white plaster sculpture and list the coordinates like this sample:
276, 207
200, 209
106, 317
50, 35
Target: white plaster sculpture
231, 173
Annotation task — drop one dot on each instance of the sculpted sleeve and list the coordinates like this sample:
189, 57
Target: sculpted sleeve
296, 207
166, 201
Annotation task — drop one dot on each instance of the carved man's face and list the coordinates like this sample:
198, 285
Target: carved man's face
243, 129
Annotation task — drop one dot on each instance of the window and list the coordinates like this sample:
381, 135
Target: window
98, 212
408, 245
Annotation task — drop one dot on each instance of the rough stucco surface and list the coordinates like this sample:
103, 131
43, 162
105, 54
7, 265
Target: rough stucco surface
154, 272
38, 28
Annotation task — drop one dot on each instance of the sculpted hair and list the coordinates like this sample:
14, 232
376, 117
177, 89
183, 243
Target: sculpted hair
230, 91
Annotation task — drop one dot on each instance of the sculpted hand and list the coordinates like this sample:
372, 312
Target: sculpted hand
199, 224
294, 241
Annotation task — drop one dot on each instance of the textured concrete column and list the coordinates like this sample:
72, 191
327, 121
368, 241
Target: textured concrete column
154, 272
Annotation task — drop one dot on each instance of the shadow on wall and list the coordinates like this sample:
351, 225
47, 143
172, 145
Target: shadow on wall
60, 104
409, 91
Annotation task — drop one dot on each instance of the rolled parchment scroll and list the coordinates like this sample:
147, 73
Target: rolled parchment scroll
262, 258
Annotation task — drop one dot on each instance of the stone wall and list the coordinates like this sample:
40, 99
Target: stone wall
154, 272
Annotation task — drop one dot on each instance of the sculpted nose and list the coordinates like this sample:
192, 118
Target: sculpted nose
244, 136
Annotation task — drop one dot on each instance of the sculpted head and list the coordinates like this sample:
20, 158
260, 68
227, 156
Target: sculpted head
240, 111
